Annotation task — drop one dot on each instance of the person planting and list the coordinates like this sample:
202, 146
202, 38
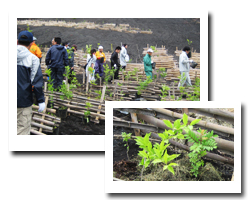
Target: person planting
148, 63
99, 62
29, 74
56, 60
184, 67
114, 61
35, 49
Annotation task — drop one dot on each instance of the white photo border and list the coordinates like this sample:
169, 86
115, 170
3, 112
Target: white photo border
172, 186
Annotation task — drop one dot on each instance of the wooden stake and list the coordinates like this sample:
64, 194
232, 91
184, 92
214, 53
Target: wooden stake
46, 103
84, 74
101, 100
134, 119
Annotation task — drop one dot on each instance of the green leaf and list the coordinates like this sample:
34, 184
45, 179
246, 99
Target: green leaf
155, 161
147, 163
195, 122
180, 136
173, 164
165, 157
162, 136
172, 157
143, 154
168, 123
142, 161
177, 123
171, 169
171, 132
185, 119
157, 152
165, 167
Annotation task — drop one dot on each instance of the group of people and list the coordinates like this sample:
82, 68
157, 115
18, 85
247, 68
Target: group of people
184, 65
30, 78
96, 59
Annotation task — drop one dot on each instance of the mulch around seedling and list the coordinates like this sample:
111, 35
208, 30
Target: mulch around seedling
130, 170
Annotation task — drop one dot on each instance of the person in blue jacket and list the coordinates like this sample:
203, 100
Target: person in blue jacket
56, 60
29, 74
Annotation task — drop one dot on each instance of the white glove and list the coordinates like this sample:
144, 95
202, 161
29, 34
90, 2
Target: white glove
41, 107
152, 62
191, 61
115, 66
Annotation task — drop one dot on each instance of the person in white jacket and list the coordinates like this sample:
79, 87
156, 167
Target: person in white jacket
184, 67
91, 60
123, 55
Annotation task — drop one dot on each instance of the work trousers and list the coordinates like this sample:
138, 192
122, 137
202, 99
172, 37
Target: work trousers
116, 72
185, 79
24, 120
149, 73
57, 76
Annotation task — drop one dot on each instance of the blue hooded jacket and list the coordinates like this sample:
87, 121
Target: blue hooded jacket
29, 74
57, 57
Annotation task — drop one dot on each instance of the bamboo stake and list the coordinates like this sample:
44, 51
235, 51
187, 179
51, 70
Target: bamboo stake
45, 110
36, 132
46, 115
134, 119
200, 123
46, 103
84, 74
41, 126
44, 121
221, 143
101, 100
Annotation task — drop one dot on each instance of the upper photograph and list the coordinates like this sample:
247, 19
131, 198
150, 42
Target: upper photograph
84, 62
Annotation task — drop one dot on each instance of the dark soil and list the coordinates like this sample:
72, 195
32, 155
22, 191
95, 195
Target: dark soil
75, 125
169, 32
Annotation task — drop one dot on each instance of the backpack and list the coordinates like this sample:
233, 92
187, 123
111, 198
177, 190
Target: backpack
87, 64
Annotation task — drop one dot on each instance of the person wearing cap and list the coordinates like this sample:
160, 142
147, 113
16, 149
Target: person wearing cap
29, 74
100, 56
123, 55
184, 67
35, 49
147, 63
56, 60
114, 61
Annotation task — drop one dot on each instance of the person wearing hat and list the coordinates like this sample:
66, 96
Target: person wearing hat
29, 74
56, 60
147, 63
35, 49
100, 56
184, 67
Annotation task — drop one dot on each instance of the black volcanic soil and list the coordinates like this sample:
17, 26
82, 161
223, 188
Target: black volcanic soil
170, 32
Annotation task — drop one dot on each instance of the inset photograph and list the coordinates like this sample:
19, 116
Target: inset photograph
173, 144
